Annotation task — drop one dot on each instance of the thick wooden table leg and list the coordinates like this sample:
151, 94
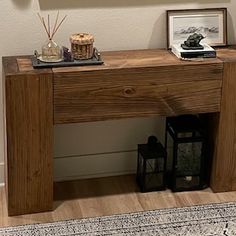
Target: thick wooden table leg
223, 175
29, 126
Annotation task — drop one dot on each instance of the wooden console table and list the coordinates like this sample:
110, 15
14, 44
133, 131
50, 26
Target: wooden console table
129, 84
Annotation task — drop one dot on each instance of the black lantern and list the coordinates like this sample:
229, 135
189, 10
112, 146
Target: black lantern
186, 159
151, 165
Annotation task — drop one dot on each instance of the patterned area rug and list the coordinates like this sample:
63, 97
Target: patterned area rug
213, 219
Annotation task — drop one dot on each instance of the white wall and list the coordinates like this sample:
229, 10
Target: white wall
116, 24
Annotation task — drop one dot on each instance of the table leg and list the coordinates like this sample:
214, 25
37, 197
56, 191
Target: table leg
29, 129
223, 174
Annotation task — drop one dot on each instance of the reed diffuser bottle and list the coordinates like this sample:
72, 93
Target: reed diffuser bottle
51, 51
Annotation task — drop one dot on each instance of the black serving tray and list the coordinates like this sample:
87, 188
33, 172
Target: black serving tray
95, 60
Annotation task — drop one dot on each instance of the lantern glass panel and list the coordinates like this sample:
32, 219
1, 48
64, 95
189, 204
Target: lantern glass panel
151, 165
152, 181
170, 153
189, 158
187, 182
189, 134
185, 144
140, 167
140, 160
155, 165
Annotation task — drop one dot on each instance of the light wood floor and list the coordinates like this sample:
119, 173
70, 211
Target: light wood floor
107, 196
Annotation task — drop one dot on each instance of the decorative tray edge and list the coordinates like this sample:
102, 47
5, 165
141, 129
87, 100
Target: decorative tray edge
95, 60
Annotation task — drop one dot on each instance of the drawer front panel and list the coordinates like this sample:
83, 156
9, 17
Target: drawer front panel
91, 96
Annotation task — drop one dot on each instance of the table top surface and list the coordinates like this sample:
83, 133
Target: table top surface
115, 60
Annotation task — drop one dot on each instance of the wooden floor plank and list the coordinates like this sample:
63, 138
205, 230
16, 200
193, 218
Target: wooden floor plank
107, 196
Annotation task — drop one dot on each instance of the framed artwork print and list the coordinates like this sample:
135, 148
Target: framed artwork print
210, 22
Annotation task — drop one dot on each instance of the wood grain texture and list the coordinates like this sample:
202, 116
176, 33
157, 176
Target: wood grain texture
29, 121
91, 103
129, 84
227, 54
132, 59
4, 132
24, 64
134, 83
223, 175
109, 196
20, 65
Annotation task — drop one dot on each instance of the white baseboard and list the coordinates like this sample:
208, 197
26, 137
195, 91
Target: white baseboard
90, 166
94, 166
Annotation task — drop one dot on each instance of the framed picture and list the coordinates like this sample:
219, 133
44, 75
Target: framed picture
210, 22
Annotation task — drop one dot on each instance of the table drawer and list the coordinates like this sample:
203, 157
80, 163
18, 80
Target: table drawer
95, 96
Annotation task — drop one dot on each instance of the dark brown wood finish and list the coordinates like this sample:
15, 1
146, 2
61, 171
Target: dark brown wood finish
134, 83
129, 84
223, 174
29, 126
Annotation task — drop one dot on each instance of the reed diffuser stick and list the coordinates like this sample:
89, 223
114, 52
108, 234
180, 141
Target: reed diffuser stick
47, 27
59, 25
43, 23
55, 24
40, 18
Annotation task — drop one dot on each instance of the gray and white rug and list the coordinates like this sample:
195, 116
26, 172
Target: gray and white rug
213, 219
